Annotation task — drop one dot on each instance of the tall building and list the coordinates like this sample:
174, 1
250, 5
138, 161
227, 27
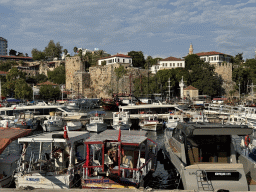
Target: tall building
3, 46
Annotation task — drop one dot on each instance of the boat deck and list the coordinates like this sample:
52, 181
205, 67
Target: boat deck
126, 136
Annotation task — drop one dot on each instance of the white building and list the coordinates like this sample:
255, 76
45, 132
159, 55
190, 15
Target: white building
168, 63
214, 57
84, 51
3, 46
116, 59
63, 56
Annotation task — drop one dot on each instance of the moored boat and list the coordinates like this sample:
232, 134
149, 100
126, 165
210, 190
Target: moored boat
121, 120
8, 162
52, 160
204, 156
151, 123
119, 159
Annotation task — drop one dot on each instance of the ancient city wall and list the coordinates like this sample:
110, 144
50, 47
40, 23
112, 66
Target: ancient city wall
225, 70
72, 64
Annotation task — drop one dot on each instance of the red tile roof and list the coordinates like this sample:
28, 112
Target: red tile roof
210, 53
172, 59
190, 88
15, 57
117, 55
47, 83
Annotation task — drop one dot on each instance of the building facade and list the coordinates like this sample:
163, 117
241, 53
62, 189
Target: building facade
221, 62
190, 92
125, 60
168, 63
3, 46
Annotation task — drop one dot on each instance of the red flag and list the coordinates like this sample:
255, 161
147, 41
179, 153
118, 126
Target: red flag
119, 135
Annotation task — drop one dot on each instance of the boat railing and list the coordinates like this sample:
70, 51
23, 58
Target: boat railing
137, 173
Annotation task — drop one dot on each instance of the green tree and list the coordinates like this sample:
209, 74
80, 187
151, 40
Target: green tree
49, 92
22, 89
192, 60
65, 51
151, 61
5, 65
15, 79
57, 75
138, 59
37, 55
75, 50
238, 59
53, 50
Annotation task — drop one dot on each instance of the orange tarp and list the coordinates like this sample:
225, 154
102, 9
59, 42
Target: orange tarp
7, 135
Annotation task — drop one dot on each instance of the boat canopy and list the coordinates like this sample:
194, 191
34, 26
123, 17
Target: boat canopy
134, 137
56, 137
7, 135
190, 129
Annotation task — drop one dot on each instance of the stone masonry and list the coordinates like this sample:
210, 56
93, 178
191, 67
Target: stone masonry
101, 81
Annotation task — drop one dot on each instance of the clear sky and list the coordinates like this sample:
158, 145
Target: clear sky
159, 28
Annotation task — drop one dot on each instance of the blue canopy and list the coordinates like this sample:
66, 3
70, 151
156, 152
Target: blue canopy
12, 100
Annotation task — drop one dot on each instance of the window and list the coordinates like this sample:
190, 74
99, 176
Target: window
181, 65
170, 64
123, 60
214, 58
118, 60
115, 59
173, 64
130, 61
178, 64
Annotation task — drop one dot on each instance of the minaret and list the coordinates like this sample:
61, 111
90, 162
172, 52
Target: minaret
190, 49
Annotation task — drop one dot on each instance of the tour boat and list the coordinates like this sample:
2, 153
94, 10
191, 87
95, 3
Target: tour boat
121, 120
52, 160
118, 159
204, 156
151, 123
8, 162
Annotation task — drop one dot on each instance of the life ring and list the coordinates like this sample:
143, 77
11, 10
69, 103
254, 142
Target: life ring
247, 140
23, 123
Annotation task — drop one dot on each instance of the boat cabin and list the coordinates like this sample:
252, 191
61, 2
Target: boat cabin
205, 157
118, 159
51, 160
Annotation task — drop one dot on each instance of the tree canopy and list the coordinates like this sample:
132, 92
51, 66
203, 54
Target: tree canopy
57, 75
53, 50
49, 92
138, 59
37, 55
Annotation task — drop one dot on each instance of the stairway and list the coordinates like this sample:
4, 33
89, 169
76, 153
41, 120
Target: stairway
202, 181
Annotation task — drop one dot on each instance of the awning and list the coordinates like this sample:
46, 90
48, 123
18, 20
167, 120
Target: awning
7, 135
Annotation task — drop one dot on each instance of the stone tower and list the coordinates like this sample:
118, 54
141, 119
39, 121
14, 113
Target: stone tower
190, 49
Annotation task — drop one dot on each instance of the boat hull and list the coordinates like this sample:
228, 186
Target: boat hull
50, 128
96, 127
38, 181
151, 127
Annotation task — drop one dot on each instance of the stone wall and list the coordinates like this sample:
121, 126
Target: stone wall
224, 70
72, 64
104, 81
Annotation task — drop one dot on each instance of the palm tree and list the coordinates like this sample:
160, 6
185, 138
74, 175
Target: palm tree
65, 51
75, 49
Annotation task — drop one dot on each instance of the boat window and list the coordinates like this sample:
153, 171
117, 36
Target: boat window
209, 149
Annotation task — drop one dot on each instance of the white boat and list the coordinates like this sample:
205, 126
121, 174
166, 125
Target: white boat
74, 125
172, 121
96, 124
8, 162
53, 123
7, 123
198, 118
151, 124
205, 158
52, 160
121, 120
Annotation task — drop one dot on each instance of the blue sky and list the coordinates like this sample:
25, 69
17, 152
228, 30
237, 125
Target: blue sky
159, 28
